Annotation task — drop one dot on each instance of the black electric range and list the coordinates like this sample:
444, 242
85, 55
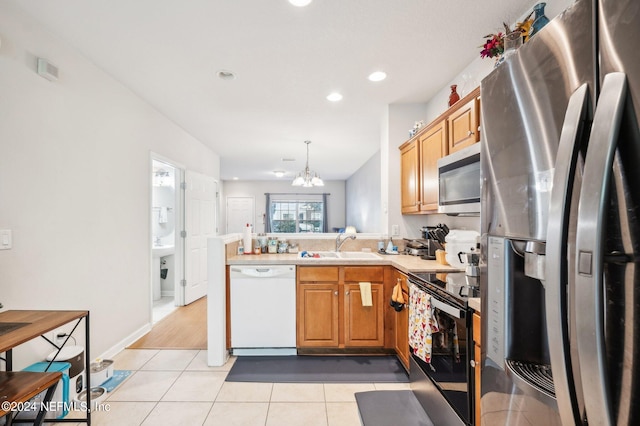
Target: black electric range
455, 287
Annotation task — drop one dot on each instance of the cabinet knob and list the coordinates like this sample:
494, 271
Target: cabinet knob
470, 133
472, 363
335, 293
346, 293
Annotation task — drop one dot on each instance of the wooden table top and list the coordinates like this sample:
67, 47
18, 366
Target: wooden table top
21, 386
37, 324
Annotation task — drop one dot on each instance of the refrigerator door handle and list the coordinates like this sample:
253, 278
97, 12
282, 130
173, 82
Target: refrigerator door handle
592, 211
556, 274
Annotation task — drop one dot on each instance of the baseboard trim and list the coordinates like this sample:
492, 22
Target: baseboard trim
122, 344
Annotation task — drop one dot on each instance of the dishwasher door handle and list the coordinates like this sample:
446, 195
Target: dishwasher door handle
262, 272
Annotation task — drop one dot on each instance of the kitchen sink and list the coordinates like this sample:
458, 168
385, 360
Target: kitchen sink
357, 255
352, 255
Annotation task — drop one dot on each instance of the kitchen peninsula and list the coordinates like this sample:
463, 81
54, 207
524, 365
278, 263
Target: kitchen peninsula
329, 314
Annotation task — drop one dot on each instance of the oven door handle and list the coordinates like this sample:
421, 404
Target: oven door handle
451, 310
439, 304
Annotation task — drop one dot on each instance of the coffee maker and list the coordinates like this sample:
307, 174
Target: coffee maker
472, 260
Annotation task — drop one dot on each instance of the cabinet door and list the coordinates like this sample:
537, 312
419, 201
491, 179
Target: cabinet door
463, 126
317, 315
477, 358
363, 325
409, 184
433, 146
402, 323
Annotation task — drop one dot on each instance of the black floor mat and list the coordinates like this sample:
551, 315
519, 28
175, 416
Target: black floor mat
318, 369
384, 408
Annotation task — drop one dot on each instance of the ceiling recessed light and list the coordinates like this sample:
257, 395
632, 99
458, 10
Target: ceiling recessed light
235, 178
377, 76
300, 3
278, 173
335, 97
226, 75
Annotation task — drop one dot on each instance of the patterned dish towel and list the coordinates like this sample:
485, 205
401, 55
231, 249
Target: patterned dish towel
422, 323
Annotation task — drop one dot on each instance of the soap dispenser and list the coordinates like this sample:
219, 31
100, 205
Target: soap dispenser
390, 245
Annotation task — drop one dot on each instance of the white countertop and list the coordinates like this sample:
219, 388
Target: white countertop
474, 303
404, 263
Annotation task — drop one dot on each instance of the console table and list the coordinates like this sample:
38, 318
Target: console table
20, 326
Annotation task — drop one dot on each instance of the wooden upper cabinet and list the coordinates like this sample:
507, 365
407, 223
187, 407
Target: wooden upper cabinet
432, 147
410, 184
463, 125
456, 128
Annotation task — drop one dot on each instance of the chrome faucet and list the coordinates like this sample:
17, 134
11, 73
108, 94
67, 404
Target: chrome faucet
340, 243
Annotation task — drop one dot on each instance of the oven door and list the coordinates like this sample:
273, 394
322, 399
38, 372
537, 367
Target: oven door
449, 369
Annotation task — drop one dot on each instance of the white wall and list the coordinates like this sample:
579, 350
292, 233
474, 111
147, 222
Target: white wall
363, 196
75, 185
257, 189
401, 119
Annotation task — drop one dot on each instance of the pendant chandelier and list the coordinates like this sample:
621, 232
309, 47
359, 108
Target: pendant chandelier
307, 178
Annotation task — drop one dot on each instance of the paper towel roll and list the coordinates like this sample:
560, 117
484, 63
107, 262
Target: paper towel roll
246, 237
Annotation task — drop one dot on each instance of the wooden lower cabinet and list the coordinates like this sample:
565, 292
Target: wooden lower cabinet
329, 307
363, 325
317, 315
401, 319
477, 358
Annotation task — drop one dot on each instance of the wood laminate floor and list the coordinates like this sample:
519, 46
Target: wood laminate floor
185, 328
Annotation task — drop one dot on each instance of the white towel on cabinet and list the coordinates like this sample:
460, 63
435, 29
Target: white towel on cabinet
163, 215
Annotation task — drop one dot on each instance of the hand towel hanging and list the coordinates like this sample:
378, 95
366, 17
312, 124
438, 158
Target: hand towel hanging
422, 323
365, 294
163, 215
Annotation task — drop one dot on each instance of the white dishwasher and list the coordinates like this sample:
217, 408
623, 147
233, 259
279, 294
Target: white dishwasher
263, 309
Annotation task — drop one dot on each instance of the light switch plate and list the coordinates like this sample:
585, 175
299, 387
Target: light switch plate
395, 230
5, 239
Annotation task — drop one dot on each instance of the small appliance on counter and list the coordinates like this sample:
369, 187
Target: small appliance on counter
460, 242
432, 239
426, 249
472, 260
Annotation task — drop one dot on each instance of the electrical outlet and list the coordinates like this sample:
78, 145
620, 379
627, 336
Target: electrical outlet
395, 230
58, 335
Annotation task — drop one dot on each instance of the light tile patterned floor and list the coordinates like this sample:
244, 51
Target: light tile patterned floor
173, 387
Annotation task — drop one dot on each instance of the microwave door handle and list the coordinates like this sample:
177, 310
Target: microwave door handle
556, 274
590, 238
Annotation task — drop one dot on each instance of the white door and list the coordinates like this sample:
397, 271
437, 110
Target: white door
200, 224
240, 211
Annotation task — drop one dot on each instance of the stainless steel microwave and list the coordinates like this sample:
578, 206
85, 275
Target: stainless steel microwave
459, 181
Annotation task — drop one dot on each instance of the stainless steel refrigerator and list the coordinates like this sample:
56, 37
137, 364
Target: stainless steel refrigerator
560, 277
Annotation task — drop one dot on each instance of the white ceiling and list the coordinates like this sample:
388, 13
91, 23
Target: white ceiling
286, 59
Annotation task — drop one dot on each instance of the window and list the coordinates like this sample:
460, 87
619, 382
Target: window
290, 215
296, 216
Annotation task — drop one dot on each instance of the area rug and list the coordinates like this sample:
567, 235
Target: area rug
318, 369
384, 408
